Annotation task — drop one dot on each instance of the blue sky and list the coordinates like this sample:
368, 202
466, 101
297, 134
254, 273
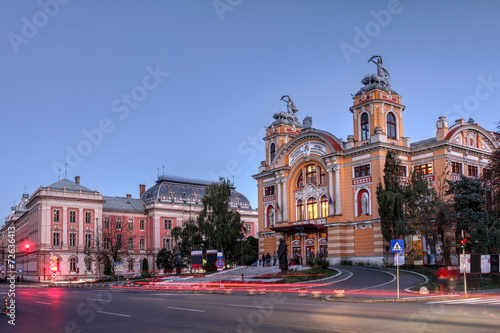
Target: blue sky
117, 89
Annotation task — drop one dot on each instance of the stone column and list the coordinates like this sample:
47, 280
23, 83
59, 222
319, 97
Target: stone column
278, 216
331, 195
338, 198
285, 201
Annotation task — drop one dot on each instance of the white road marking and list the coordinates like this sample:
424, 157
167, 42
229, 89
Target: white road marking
184, 309
115, 314
250, 306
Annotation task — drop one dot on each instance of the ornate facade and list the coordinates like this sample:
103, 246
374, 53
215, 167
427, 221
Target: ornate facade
318, 192
73, 223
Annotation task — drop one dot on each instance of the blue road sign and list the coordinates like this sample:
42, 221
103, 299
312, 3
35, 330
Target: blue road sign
397, 245
20, 270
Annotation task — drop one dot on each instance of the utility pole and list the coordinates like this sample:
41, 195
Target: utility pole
463, 256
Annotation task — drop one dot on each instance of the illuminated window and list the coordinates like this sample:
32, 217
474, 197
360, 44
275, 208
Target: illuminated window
391, 126
424, 169
311, 174
312, 208
322, 176
324, 206
300, 209
365, 127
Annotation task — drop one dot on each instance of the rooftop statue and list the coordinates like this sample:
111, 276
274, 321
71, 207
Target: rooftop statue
377, 81
288, 117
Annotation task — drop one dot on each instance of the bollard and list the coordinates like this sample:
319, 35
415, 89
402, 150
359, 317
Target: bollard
339, 293
316, 294
302, 293
6, 310
251, 292
228, 292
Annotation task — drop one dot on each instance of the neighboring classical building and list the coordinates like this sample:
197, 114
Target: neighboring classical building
318, 192
74, 222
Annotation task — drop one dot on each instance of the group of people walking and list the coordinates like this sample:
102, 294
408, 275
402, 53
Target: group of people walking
265, 259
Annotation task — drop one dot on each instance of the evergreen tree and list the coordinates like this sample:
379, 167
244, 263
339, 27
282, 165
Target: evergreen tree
165, 259
420, 205
390, 198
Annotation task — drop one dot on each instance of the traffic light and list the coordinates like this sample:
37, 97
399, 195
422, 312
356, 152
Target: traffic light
27, 247
463, 242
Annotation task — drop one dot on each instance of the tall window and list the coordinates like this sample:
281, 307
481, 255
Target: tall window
56, 237
118, 223
167, 243
142, 244
72, 239
311, 174
119, 242
424, 169
107, 243
88, 217
130, 265
56, 215
130, 243
106, 222
472, 171
300, 210
142, 225
365, 127
322, 176
72, 216
324, 206
130, 224
391, 126
88, 240
167, 224
272, 150
248, 229
72, 265
300, 180
362, 171
312, 208
456, 168
269, 190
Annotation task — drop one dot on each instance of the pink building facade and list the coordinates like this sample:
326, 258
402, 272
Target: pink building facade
72, 223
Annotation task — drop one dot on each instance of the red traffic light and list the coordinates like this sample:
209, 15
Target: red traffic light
27, 246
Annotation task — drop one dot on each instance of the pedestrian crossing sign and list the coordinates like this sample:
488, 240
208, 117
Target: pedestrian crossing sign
397, 245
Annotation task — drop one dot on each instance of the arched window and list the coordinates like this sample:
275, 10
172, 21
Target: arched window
311, 175
312, 208
324, 206
391, 126
365, 127
300, 210
363, 203
272, 150
131, 265
300, 180
72, 265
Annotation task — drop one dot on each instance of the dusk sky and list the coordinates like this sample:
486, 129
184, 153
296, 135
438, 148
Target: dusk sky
117, 89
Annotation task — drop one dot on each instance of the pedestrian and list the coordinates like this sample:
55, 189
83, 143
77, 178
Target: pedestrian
275, 258
268, 259
260, 260
263, 259
18, 279
283, 256
22, 279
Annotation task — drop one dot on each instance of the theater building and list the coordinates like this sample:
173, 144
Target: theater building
318, 192
72, 223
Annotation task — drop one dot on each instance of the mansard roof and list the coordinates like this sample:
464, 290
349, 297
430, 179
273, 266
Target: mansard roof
69, 185
187, 190
120, 204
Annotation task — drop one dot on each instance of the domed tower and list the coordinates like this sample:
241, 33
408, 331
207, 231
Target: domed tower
377, 111
285, 126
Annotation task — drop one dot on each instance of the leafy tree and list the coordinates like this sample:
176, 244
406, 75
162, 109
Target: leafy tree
250, 250
115, 238
165, 259
145, 266
216, 227
390, 198
469, 202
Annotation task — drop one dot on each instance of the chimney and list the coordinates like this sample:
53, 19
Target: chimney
129, 196
142, 189
442, 128
77, 180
